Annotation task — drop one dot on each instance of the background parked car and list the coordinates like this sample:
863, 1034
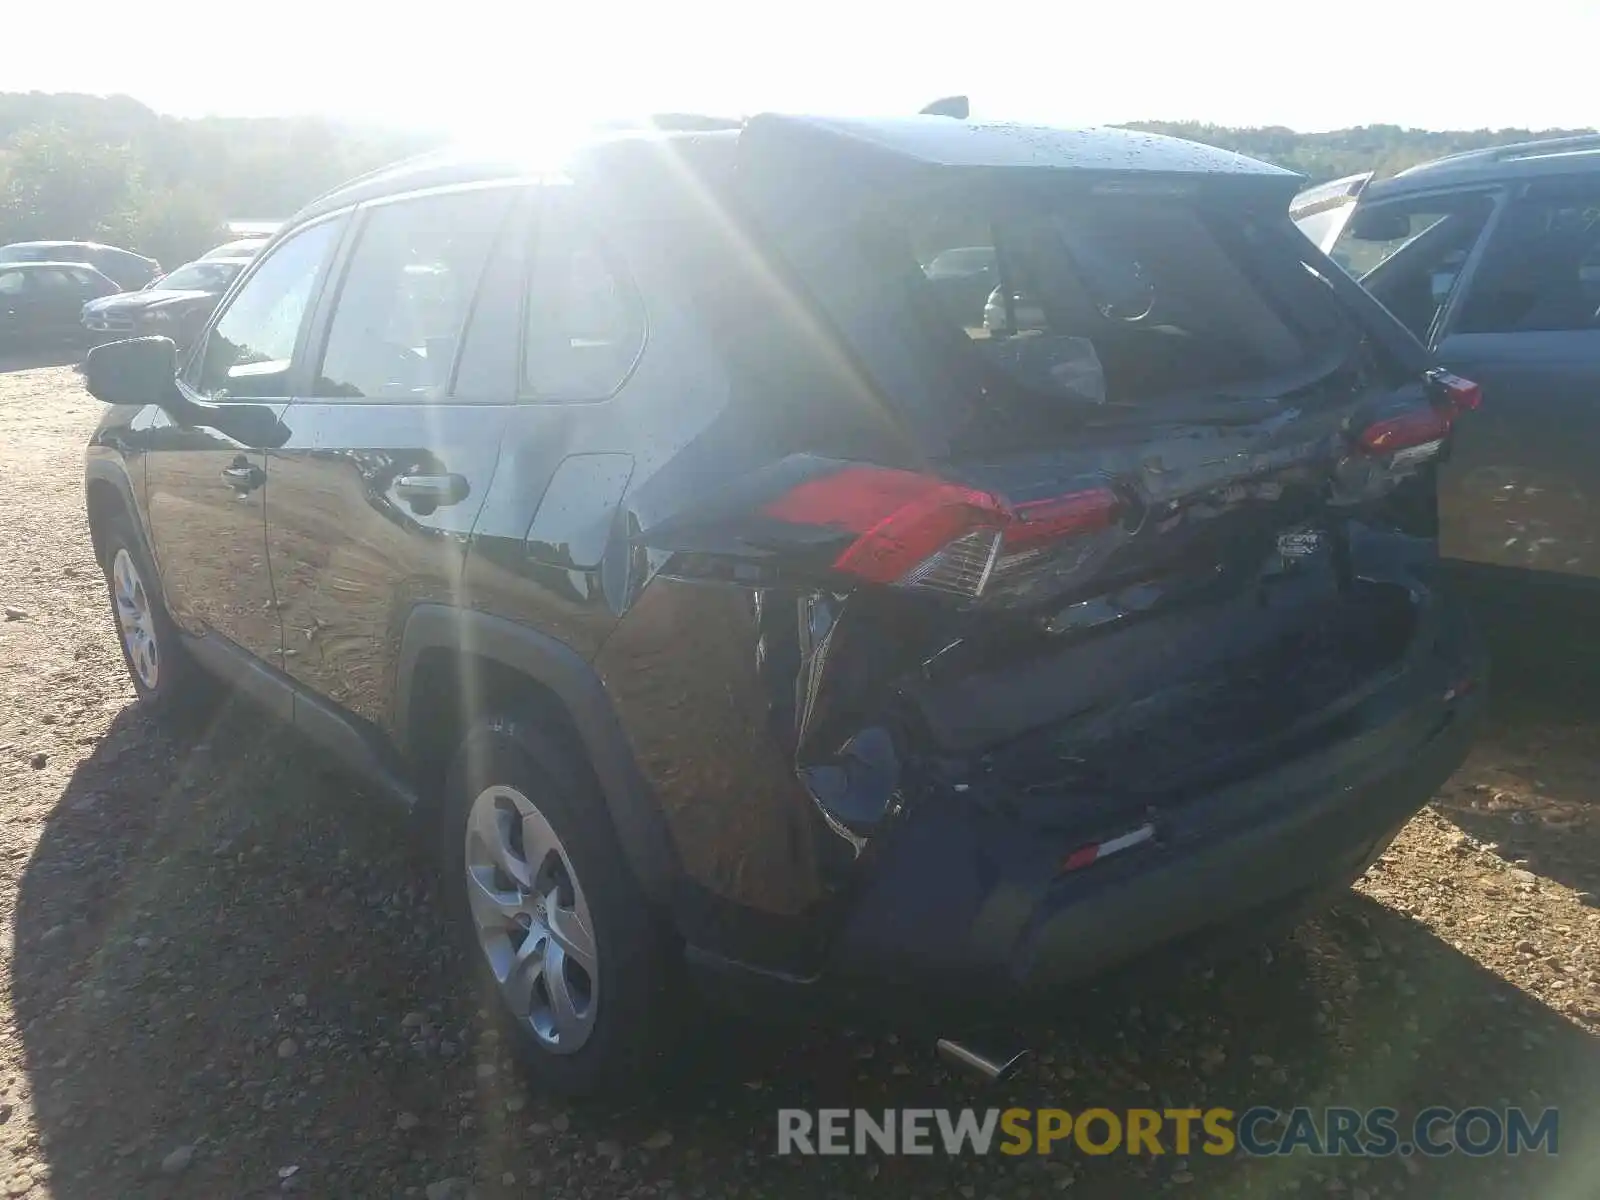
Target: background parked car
241, 248
40, 302
1493, 259
127, 269
175, 305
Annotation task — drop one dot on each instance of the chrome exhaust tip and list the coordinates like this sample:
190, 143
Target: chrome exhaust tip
986, 1067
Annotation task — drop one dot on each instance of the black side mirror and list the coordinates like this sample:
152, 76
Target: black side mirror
1380, 225
138, 371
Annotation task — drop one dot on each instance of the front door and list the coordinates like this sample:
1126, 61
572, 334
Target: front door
206, 475
392, 444
1522, 487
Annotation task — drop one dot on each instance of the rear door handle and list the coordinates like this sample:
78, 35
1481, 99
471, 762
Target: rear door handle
244, 477
428, 492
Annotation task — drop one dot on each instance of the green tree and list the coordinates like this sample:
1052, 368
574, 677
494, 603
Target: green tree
56, 183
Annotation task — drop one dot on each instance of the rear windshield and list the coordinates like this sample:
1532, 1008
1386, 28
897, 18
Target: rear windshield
971, 322
1095, 300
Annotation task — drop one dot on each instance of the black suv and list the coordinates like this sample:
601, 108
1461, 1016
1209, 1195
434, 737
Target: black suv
719, 594
127, 269
1492, 258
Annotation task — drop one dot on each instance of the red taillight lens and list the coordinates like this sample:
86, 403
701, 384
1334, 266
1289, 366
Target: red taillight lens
920, 531
900, 517
1415, 428
1061, 516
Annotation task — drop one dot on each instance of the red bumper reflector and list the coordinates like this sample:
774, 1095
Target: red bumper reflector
1083, 856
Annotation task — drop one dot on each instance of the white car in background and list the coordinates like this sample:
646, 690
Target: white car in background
242, 248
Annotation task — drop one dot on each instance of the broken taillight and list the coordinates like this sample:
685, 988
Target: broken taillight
919, 531
1418, 433
1411, 429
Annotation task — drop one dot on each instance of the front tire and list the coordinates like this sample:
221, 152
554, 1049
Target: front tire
163, 675
567, 950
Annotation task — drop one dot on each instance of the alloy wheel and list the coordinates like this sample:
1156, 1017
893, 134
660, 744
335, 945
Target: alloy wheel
533, 923
134, 620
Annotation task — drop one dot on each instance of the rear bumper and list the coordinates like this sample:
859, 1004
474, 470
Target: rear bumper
967, 909
972, 905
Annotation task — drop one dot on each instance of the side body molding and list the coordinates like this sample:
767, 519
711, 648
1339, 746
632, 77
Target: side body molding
628, 797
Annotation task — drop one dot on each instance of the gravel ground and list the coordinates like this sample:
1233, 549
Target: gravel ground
224, 976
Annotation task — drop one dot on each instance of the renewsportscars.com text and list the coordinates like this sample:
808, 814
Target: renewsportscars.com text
1258, 1131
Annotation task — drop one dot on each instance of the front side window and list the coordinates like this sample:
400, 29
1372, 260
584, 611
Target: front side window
1541, 269
1410, 253
406, 295
249, 350
585, 326
12, 283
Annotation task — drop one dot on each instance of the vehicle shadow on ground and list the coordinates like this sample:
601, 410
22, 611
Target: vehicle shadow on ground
33, 359
1529, 788
219, 945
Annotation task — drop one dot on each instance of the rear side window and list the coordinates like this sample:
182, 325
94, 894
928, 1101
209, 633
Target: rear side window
1410, 253
60, 281
584, 326
1541, 269
406, 295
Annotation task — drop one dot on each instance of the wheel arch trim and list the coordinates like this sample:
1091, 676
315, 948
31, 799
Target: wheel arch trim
102, 469
630, 801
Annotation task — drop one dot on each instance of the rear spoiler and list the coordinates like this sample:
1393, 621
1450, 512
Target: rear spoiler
949, 106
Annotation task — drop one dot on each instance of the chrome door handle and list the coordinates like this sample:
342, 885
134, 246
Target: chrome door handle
431, 491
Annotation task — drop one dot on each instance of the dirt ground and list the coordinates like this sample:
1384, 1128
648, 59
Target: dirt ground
223, 976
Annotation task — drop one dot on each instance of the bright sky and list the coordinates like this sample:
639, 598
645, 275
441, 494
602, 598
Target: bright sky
477, 66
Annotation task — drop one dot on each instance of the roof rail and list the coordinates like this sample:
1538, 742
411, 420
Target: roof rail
676, 122
1570, 144
1559, 145
415, 160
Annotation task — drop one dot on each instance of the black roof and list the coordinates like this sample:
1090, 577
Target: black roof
709, 148
36, 264
1521, 160
53, 245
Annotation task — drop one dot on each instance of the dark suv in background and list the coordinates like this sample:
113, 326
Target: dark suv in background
124, 267
1493, 259
719, 591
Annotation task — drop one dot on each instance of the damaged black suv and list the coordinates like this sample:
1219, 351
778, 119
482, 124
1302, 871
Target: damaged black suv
844, 558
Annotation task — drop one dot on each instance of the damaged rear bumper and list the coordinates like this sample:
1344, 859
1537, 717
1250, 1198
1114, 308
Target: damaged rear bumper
966, 908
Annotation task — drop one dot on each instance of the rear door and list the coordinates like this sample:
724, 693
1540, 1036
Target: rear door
392, 443
1522, 488
62, 293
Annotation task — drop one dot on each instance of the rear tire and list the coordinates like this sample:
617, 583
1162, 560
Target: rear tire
567, 950
163, 675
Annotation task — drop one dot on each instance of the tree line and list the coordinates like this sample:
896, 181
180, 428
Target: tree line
107, 168
110, 169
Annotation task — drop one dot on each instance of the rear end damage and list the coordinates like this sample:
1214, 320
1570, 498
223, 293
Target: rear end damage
1103, 631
